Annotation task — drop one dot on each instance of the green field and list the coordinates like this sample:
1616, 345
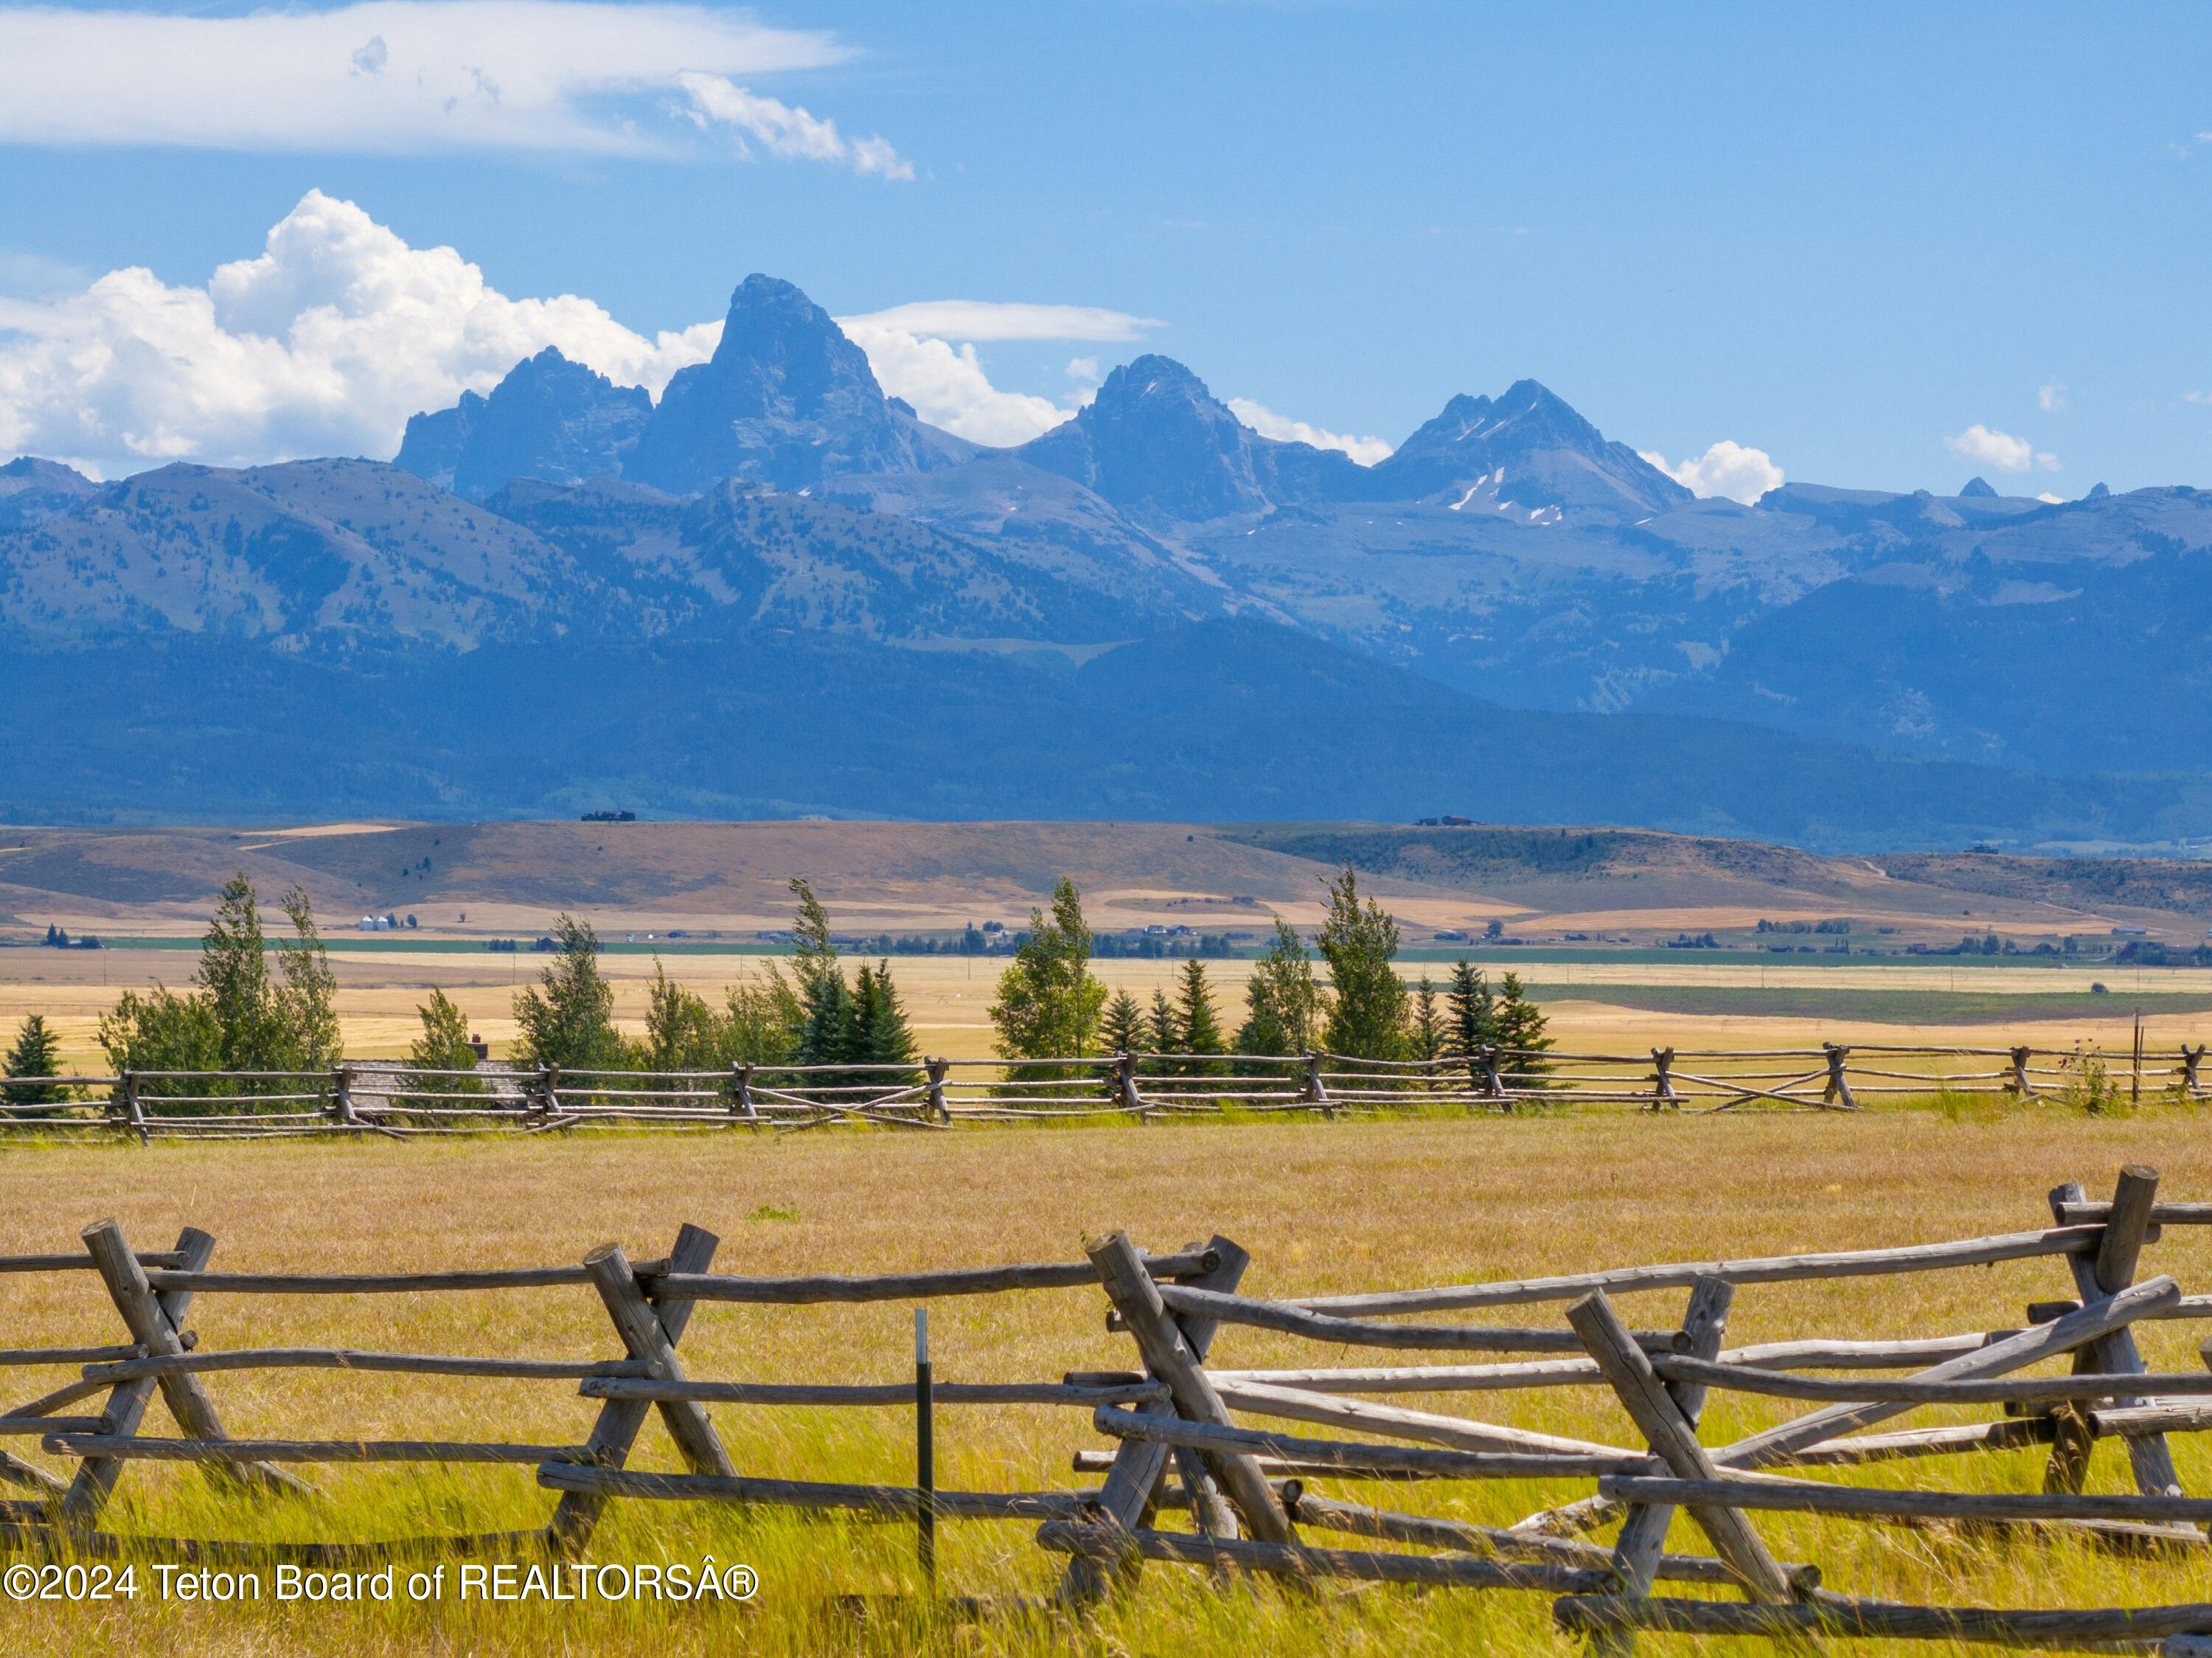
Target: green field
1898, 1006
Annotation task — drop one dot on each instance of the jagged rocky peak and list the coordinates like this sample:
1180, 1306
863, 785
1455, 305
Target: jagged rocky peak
1156, 441
2097, 492
550, 419
435, 442
785, 400
1978, 486
1527, 453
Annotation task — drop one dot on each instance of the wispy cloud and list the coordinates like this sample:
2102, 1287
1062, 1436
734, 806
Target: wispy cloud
324, 344
414, 77
1985, 446
1727, 469
784, 131
1265, 422
2050, 397
986, 320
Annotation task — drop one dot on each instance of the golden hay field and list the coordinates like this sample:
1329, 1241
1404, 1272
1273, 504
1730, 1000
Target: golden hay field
1322, 1207
948, 998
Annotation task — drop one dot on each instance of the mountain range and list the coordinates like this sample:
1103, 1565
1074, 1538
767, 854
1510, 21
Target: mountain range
778, 570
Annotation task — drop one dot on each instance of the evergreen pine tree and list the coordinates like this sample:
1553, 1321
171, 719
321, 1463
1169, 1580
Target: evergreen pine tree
1197, 1023
859, 1029
1121, 1030
1471, 1024
1164, 1036
37, 1053
1425, 1035
825, 1031
1521, 1025
890, 1039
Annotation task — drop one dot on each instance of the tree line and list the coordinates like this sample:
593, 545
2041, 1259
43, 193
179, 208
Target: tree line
1050, 1006
814, 1016
239, 1022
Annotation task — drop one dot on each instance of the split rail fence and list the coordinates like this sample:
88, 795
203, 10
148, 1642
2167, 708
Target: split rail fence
1249, 1492
383, 1097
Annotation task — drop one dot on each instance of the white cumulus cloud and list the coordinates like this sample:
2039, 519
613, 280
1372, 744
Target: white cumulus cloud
1985, 447
1727, 469
2050, 397
948, 387
413, 78
925, 352
324, 344
1265, 422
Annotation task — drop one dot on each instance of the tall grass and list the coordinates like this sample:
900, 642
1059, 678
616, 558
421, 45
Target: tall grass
1325, 1208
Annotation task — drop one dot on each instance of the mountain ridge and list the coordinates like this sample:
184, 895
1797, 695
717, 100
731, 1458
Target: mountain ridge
1508, 549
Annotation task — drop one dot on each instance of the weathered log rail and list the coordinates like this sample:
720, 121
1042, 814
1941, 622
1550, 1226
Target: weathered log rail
388, 1099
1191, 1434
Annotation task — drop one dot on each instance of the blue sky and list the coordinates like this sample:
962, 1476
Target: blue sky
1889, 247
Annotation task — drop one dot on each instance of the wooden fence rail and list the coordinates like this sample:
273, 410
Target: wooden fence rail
386, 1097
1178, 1446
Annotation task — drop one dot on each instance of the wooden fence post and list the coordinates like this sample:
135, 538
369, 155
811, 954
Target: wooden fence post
1168, 1357
342, 1096
1675, 1442
1662, 1088
153, 1320
1839, 1086
126, 1403
2018, 1083
134, 1115
741, 1092
1125, 1085
1314, 1089
2190, 1059
2110, 1269
617, 1429
2073, 1435
1126, 1497
153, 1327
1643, 1535
1494, 1078
939, 1070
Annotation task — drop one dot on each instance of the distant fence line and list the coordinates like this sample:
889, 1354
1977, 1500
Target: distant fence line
390, 1098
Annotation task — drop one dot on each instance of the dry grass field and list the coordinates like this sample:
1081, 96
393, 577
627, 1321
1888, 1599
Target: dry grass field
948, 998
1322, 1207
